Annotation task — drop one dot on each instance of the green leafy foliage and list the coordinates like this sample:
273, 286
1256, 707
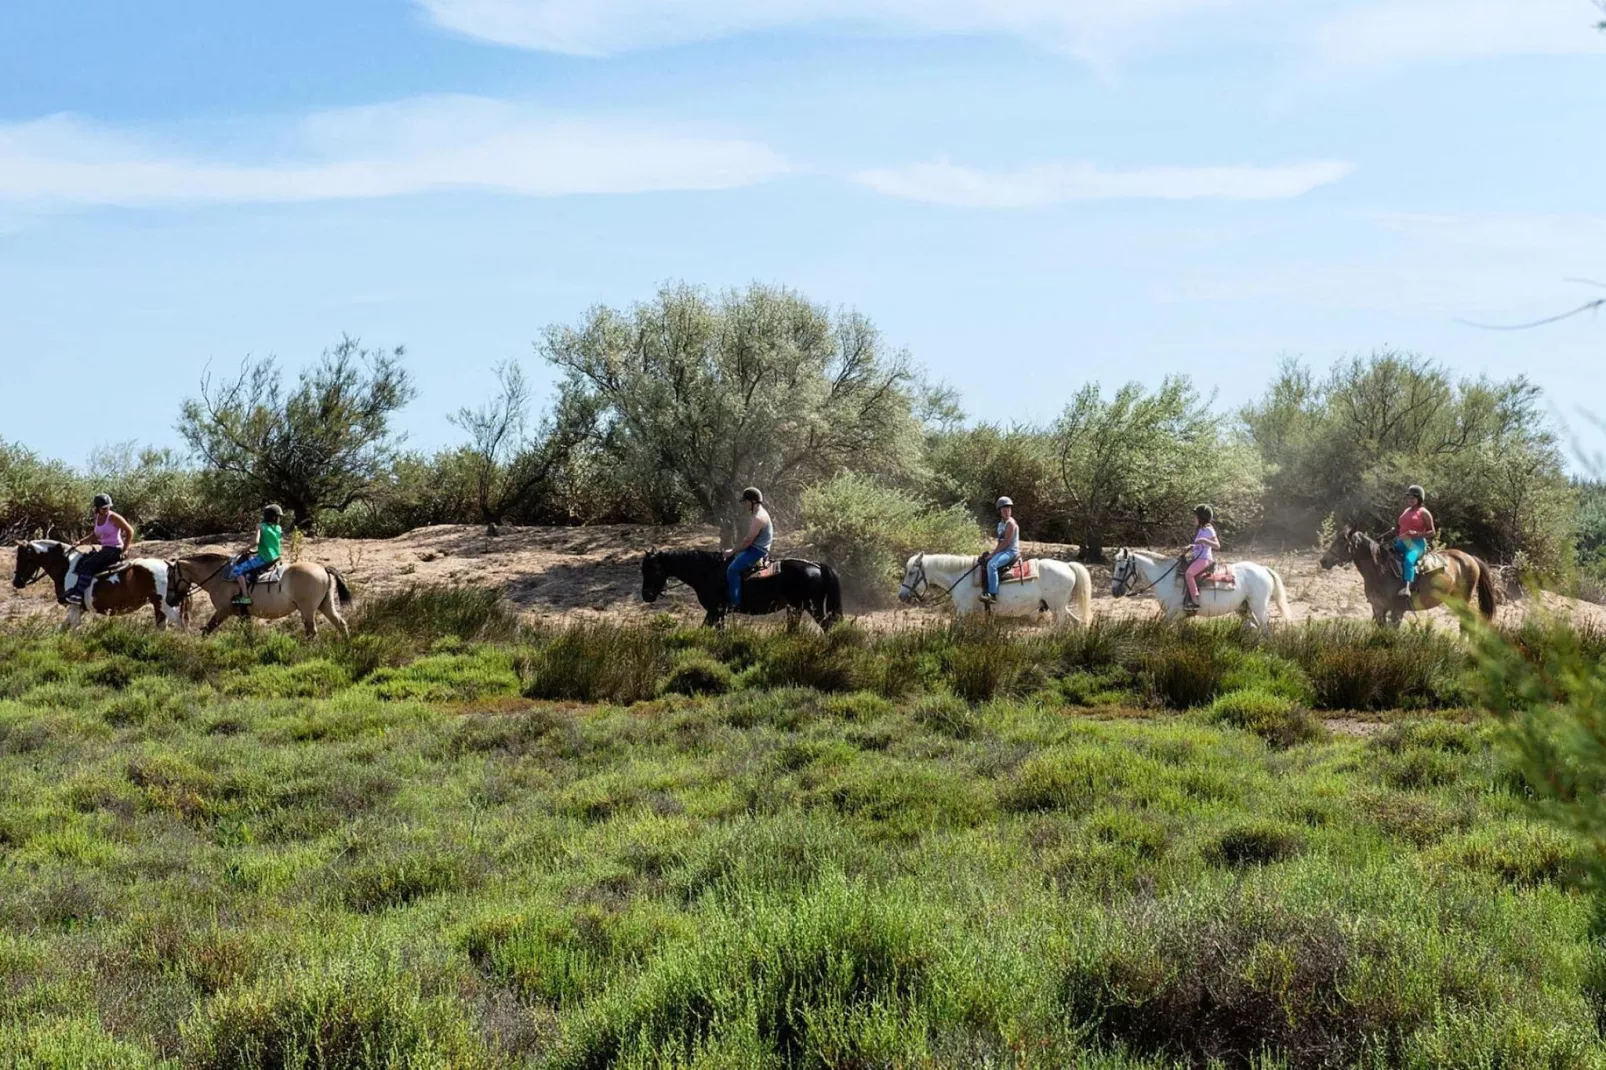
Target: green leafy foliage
867, 530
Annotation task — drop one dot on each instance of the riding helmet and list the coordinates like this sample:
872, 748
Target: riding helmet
271, 512
1003, 502
1415, 491
754, 495
103, 501
1204, 513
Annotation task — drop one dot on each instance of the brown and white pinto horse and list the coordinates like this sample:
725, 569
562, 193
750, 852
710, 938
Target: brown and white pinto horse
305, 588
123, 589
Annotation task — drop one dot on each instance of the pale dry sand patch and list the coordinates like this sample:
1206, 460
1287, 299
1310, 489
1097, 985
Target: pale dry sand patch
594, 573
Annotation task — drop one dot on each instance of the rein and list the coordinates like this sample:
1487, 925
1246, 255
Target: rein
187, 585
1157, 579
947, 591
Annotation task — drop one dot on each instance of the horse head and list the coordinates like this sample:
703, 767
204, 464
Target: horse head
1125, 572
653, 576
912, 589
1341, 551
34, 560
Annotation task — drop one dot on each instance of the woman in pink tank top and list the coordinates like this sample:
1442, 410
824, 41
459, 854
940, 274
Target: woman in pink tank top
112, 537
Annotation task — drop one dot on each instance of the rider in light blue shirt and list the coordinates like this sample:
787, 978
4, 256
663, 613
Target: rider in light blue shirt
751, 550
1006, 552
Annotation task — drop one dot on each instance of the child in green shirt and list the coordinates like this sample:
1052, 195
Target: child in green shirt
264, 552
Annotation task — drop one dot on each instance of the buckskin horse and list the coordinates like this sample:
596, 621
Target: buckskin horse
797, 586
1254, 587
1464, 578
1052, 586
122, 589
307, 588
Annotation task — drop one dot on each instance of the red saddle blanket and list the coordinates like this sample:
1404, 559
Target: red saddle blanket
763, 570
1020, 572
1220, 576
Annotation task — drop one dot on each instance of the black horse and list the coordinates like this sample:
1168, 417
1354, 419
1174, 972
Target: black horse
799, 586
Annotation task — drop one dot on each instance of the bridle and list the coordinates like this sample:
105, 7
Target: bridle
39, 572
1128, 567
917, 590
181, 587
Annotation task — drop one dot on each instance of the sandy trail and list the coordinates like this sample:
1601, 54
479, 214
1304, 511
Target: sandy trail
594, 573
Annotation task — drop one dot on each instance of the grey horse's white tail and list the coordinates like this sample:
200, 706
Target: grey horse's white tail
1083, 592
1279, 594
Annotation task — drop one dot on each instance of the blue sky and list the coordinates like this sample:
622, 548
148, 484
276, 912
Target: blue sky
1026, 194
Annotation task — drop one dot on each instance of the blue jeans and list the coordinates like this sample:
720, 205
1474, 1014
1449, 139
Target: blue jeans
1412, 550
997, 563
733, 573
254, 563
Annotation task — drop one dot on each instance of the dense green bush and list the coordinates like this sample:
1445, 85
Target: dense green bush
1271, 716
343, 1015
867, 531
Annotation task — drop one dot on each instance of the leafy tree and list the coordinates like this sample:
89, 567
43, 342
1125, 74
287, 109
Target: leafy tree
38, 495
695, 395
1135, 465
509, 464
867, 530
973, 467
1351, 443
320, 446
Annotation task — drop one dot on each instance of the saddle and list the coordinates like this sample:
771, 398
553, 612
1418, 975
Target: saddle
763, 570
1430, 563
1022, 571
1219, 577
272, 574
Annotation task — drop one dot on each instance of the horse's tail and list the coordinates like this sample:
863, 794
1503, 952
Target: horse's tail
1279, 593
1486, 594
342, 592
833, 594
1083, 593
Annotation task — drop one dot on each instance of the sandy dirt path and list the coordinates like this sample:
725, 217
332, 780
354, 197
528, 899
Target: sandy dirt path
594, 573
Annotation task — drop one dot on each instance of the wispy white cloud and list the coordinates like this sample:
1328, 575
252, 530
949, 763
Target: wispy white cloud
947, 183
410, 146
606, 27
1392, 32
1346, 34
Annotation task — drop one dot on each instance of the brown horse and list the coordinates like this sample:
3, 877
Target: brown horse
123, 588
1464, 578
309, 589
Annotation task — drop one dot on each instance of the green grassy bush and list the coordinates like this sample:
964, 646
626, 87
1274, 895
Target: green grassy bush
417, 864
1270, 715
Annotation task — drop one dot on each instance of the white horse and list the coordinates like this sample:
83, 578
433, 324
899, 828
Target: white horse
1137, 572
954, 575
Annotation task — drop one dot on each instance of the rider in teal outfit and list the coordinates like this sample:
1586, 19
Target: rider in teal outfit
1006, 552
753, 549
1412, 532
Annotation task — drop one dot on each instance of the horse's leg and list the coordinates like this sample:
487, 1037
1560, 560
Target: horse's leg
309, 620
219, 615
161, 618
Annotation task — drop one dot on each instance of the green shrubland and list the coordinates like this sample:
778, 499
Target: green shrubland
658, 846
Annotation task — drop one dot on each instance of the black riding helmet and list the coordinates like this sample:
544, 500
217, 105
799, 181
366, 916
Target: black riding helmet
103, 501
272, 513
1205, 514
754, 495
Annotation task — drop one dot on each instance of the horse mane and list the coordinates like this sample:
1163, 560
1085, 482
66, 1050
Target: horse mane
207, 557
698, 557
949, 560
